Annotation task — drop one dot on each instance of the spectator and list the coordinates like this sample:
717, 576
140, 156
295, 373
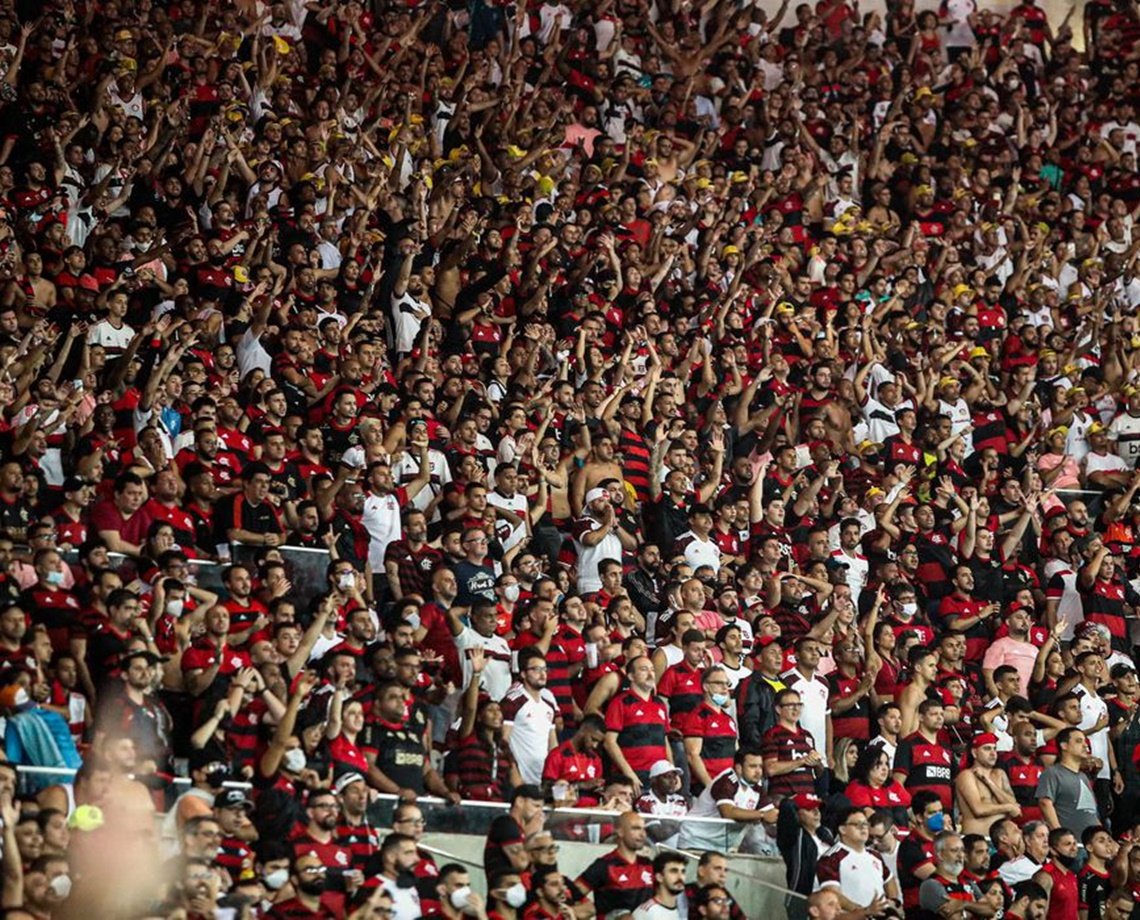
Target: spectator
668, 886
791, 757
856, 872
1058, 876
505, 847
636, 725
946, 884
623, 878
733, 794
1064, 790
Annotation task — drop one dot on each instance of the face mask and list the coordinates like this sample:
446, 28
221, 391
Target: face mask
515, 896
174, 608
346, 581
720, 699
460, 896
1069, 862
60, 886
55, 579
295, 760
909, 609
935, 823
511, 593
276, 879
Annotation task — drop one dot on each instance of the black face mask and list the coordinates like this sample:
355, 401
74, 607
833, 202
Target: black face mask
1069, 862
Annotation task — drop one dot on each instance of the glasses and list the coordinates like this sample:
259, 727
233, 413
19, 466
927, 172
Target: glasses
548, 848
721, 900
858, 825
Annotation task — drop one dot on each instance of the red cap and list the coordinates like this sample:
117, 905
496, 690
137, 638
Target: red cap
807, 800
983, 739
765, 641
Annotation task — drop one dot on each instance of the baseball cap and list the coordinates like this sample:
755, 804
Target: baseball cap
661, 768
984, 738
807, 800
343, 782
232, 798
765, 641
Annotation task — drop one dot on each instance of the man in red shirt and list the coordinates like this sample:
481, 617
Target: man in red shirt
311, 901
1057, 876
122, 521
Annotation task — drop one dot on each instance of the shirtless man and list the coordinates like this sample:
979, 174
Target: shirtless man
924, 664
982, 790
600, 464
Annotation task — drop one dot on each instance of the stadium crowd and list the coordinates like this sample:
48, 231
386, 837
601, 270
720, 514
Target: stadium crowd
672, 410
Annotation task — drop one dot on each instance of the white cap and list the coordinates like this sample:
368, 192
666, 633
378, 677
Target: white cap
661, 768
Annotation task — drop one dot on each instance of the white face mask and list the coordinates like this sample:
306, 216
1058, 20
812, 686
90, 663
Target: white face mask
909, 609
516, 895
346, 581
60, 886
174, 608
460, 896
295, 760
511, 593
276, 879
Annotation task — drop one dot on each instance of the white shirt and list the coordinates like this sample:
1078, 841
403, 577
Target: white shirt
589, 557
405, 901
407, 468
1070, 608
814, 694
1124, 432
655, 910
861, 876
531, 722
381, 518
496, 678
114, 340
1093, 708
509, 535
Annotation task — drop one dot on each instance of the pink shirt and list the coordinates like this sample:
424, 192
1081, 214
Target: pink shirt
1015, 653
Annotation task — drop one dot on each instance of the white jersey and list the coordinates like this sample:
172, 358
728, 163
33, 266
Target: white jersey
531, 721
510, 535
1125, 433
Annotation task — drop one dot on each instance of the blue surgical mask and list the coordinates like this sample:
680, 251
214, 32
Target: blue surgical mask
720, 699
935, 823
55, 578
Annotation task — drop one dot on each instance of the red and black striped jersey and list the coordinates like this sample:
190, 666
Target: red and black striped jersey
641, 725
927, 765
784, 745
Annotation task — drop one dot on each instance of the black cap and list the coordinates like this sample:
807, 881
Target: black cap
231, 798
